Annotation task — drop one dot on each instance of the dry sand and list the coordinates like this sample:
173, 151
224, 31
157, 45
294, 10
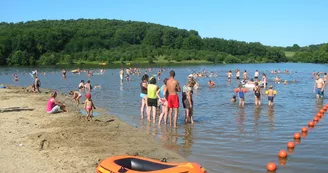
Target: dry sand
34, 141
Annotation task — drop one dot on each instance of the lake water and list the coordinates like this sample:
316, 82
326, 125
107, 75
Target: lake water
225, 138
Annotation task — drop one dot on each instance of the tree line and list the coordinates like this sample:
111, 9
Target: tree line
50, 42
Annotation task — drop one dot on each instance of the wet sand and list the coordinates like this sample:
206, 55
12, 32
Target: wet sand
34, 141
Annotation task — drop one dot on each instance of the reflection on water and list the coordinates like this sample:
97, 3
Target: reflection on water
225, 138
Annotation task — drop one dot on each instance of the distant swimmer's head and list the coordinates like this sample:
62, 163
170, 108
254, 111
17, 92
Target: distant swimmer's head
240, 85
172, 73
145, 77
82, 81
152, 80
325, 73
88, 81
318, 76
252, 80
165, 80
190, 76
53, 94
271, 87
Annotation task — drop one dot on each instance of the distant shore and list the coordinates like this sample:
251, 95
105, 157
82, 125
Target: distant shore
34, 141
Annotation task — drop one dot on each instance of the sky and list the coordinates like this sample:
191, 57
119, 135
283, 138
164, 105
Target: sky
274, 23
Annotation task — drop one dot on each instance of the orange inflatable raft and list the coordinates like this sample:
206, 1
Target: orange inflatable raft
134, 164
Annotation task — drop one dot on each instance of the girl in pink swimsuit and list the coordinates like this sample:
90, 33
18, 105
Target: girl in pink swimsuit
88, 105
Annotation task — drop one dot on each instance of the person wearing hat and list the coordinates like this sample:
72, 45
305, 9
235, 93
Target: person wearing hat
88, 106
191, 78
53, 105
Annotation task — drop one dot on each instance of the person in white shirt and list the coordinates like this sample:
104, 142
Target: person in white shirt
256, 75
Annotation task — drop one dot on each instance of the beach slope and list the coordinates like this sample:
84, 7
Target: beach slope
34, 141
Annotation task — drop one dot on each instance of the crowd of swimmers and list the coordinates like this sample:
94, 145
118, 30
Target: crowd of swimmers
165, 97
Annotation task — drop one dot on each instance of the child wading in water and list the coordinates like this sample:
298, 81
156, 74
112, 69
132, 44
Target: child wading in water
241, 93
88, 105
271, 94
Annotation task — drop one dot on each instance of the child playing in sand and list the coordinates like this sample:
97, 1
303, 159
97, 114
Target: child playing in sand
88, 105
271, 94
76, 95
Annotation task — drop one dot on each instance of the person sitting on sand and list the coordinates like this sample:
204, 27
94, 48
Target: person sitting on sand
211, 83
53, 105
88, 106
76, 95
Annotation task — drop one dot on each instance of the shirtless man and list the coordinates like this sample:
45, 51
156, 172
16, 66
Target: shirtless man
121, 74
173, 99
229, 75
245, 75
319, 86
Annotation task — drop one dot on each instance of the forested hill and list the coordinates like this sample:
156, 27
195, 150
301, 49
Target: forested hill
71, 41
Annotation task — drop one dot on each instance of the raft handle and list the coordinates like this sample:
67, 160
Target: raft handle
164, 160
122, 170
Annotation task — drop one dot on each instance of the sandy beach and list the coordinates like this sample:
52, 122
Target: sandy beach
34, 141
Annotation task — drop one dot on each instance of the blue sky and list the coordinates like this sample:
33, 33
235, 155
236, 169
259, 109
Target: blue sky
277, 22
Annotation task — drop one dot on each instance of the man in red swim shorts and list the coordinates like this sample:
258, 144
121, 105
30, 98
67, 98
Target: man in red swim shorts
173, 99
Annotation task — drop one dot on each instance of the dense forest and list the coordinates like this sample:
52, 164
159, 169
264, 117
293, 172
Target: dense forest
50, 42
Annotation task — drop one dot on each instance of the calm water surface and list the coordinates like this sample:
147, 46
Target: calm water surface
224, 138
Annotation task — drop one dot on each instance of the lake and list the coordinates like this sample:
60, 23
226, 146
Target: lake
225, 138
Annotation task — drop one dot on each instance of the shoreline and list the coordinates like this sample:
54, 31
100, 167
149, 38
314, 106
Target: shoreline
34, 141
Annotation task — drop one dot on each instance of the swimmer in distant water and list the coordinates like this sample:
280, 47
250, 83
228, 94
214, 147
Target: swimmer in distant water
229, 75
121, 74
88, 87
97, 86
64, 73
16, 78
285, 82
245, 75
256, 75
238, 74
81, 86
234, 99
325, 77
211, 83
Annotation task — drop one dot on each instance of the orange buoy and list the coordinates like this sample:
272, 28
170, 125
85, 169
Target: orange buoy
282, 154
297, 135
304, 129
315, 119
311, 124
282, 161
319, 114
271, 166
290, 144
322, 111
236, 90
